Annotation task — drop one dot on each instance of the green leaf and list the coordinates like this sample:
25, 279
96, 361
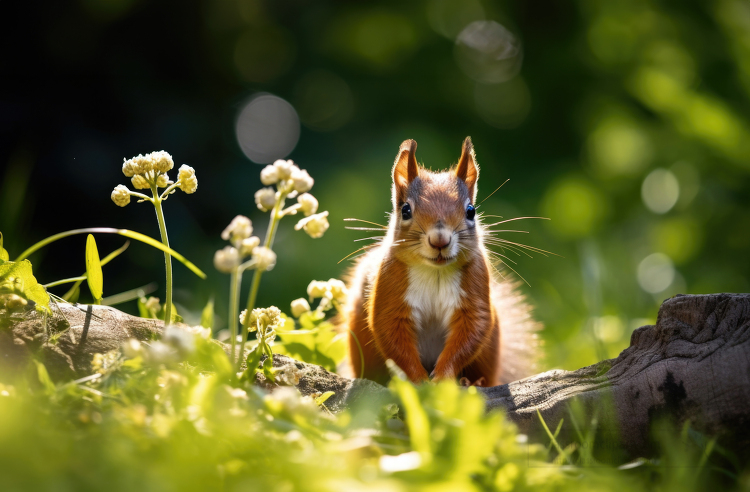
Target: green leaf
324, 397
94, 275
122, 232
17, 278
75, 290
416, 417
207, 316
3, 253
43, 375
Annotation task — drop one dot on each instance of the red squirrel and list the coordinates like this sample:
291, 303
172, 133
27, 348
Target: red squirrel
427, 296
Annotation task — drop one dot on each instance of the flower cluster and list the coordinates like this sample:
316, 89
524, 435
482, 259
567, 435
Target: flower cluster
243, 244
331, 293
264, 321
291, 182
150, 172
334, 290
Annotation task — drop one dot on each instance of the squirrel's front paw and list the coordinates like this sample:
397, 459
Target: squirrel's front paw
440, 373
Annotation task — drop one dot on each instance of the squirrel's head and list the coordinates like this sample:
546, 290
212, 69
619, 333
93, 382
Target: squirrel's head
434, 219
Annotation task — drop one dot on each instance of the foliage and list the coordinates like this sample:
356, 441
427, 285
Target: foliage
173, 415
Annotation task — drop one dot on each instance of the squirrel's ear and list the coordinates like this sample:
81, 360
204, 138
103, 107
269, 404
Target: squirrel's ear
467, 169
405, 170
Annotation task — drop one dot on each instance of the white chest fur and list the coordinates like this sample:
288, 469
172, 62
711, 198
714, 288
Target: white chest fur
433, 295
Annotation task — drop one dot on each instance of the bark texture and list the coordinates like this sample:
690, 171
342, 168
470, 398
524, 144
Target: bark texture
694, 364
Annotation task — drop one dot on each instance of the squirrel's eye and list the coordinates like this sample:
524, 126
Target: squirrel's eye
406, 211
470, 212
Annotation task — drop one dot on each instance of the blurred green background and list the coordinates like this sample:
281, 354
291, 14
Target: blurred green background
623, 121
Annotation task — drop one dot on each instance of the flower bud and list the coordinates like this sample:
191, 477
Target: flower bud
152, 304
308, 204
285, 168
299, 307
302, 181
315, 225
248, 245
121, 195
227, 259
129, 168
317, 289
186, 178
265, 259
269, 175
162, 181
251, 323
240, 228
162, 161
139, 182
338, 289
265, 199
131, 348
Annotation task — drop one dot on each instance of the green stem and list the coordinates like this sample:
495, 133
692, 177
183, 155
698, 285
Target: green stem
167, 256
268, 242
234, 301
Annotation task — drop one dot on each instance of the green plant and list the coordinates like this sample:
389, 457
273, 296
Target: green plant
150, 172
291, 182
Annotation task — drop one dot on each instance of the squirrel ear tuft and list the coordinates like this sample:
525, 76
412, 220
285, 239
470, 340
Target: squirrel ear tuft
405, 170
467, 169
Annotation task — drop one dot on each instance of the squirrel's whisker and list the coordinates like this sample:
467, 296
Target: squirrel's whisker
366, 222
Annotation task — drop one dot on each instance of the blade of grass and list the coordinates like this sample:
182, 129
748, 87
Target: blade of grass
129, 295
552, 438
122, 232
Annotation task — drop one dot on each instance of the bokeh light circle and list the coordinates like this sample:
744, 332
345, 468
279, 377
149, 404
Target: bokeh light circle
267, 128
487, 52
656, 273
660, 191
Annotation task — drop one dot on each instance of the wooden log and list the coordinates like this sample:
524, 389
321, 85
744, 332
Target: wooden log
693, 365
76, 332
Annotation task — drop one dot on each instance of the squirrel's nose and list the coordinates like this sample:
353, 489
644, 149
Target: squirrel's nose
439, 240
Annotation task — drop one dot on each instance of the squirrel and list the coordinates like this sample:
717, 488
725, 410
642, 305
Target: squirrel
427, 296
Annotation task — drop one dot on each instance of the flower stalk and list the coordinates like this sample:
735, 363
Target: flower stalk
150, 172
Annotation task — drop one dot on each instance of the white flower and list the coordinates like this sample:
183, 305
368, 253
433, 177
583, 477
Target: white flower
315, 225
179, 338
299, 307
317, 289
308, 204
131, 348
163, 181
162, 161
251, 323
139, 182
200, 331
152, 304
265, 199
265, 259
240, 228
121, 195
129, 168
302, 181
227, 259
186, 178
247, 245
285, 168
338, 289
269, 175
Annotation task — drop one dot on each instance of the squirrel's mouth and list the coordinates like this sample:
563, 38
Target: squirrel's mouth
440, 259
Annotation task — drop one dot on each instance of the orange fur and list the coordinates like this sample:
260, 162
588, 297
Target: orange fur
426, 297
